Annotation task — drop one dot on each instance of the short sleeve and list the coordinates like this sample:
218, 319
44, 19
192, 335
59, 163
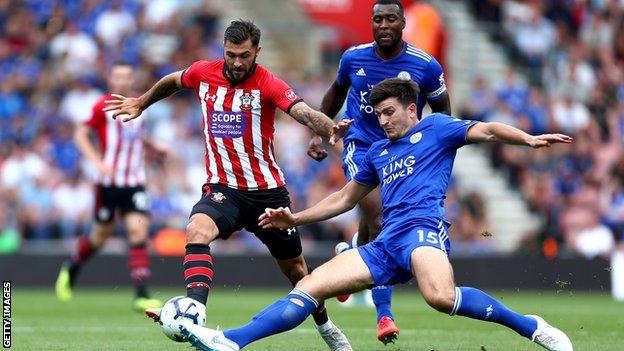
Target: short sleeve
282, 94
367, 175
190, 76
452, 131
342, 76
98, 117
433, 85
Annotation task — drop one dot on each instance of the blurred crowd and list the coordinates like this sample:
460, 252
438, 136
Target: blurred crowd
54, 58
572, 55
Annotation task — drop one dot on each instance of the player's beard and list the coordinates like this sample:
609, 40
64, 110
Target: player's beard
396, 41
245, 76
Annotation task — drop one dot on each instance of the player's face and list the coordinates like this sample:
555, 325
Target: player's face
388, 25
240, 58
395, 119
121, 79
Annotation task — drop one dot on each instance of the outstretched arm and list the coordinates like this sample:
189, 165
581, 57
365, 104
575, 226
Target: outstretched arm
503, 133
319, 122
133, 107
331, 206
332, 102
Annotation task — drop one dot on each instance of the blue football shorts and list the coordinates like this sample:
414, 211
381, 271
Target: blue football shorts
389, 256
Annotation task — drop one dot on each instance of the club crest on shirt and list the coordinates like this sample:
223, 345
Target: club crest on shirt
246, 100
416, 138
404, 75
217, 197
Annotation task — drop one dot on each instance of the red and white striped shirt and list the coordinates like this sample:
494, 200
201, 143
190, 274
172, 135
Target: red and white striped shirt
239, 124
121, 145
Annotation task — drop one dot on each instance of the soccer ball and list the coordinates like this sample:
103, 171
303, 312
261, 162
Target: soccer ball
177, 309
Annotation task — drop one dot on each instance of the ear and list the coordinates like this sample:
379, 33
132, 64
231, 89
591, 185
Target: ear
411, 110
258, 50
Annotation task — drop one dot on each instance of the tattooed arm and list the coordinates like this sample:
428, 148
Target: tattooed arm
317, 121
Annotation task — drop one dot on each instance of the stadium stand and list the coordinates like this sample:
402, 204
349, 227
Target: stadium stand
571, 56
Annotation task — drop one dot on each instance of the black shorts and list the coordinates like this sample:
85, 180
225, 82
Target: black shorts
126, 200
233, 210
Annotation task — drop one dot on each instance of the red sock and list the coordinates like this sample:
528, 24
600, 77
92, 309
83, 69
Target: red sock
198, 271
139, 263
84, 251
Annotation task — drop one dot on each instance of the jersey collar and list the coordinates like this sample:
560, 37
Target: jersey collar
376, 55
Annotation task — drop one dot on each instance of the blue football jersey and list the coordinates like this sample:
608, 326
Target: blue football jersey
361, 68
413, 172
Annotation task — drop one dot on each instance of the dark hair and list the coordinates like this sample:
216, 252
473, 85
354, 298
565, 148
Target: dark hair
391, 2
118, 63
406, 91
240, 31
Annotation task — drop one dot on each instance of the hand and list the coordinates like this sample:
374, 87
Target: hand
339, 130
104, 170
315, 149
276, 218
545, 140
121, 105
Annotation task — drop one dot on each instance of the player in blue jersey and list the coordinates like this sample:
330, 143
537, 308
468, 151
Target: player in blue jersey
412, 167
361, 67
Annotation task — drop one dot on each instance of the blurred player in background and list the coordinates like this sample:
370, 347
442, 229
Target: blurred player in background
120, 187
412, 167
238, 101
361, 67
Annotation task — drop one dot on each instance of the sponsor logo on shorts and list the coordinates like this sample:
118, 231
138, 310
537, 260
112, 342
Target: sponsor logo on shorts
103, 214
217, 197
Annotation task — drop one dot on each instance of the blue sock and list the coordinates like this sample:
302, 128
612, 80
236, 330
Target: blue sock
474, 303
382, 297
282, 315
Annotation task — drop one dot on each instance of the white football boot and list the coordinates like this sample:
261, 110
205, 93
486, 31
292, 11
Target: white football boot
550, 337
334, 337
205, 339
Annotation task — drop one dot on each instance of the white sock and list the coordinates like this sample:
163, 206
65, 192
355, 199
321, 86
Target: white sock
325, 327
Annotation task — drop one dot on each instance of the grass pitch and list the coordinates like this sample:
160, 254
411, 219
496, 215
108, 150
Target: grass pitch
102, 320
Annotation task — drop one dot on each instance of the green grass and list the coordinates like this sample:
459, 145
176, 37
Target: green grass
102, 320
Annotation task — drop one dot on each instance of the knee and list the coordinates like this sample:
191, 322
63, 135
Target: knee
137, 235
310, 285
200, 233
441, 300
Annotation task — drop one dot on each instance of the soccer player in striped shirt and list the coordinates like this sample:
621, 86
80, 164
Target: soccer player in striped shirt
120, 162
238, 99
361, 67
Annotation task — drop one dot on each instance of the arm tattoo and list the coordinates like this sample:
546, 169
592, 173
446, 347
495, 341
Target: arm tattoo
315, 120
